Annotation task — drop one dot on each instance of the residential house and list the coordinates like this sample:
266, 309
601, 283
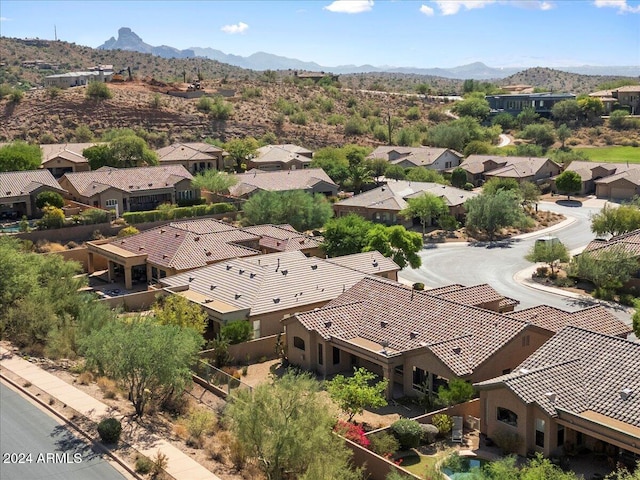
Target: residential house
19, 190
311, 180
418, 340
263, 289
592, 172
481, 296
542, 103
519, 88
481, 168
619, 186
194, 156
607, 99
371, 263
628, 96
61, 158
76, 79
429, 157
384, 204
627, 242
580, 389
181, 246
281, 157
315, 76
130, 189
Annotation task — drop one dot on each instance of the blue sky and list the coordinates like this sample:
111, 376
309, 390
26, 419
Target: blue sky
421, 33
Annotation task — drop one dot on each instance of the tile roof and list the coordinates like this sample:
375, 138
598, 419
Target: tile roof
16, 184
369, 262
627, 242
188, 151
586, 169
269, 283
419, 156
595, 318
586, 371
378, 310
628, 88
282, 154
283, 237
69, 151
512, 167
302, 179
394, 195
127, 179
631, 175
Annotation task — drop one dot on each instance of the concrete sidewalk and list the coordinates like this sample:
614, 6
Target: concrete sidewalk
180, 466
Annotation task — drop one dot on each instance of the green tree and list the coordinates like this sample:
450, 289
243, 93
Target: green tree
48, 197
358, 176
237, 331
124, 151
240, 150
129, 352
83, 134
425, 207
607, 269
529, 192
457, 391
334, 162
395, 242
477, 147
421, 174
214, 181
98, 91
505, 120
489, 213
527, 116
494, 185
569, 182
458, 177
377, 167
563, 132
302, 210
616, 221
395, 172
541, 134
286, 427
473, 106
177, 310
591, 107
52, 218
567, 111
550, 253
346, 235
19, 156
355, 393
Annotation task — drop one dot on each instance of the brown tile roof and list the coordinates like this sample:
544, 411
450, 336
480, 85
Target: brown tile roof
627, 242
632, 175
269, 283
419, 156
512, 167
283, 237
127, 179
586, 169
378, 310
369, 262
282, 154
628, 88
595, 318
394, 195
476, 295
188, 151
16, 184
69, 151
587, 371
302, 179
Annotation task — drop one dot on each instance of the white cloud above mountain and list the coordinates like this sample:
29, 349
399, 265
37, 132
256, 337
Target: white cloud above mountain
350, 6
239, 27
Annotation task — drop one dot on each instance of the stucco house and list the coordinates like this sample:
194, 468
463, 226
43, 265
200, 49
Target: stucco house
384, 204
130, 189
19, 190
284, 238
580, 389
281, 157
480, 168
311, 180
264, 289
61, 158
429, 157
76, 79
628, 96
194, 156
620, 186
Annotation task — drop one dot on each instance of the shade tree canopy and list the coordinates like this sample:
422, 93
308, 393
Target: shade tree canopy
18, 156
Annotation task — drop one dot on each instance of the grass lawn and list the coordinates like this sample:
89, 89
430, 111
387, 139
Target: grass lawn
612, 154
418, 464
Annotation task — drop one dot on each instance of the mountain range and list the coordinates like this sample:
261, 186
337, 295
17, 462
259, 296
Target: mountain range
127, 40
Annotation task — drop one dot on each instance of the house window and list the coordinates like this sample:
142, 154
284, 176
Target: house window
447, 165
298, 343
507, 416
419, 379
560, 437
185, 195
320, 355
154, 273
336, 356
539, 433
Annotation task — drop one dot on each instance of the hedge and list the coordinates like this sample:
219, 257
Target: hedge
177, 213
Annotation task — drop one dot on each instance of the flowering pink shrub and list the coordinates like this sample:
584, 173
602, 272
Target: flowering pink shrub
353, 432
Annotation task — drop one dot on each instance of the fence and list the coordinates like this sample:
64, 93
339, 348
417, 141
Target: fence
216, 380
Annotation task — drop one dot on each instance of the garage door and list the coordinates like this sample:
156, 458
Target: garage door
622, 193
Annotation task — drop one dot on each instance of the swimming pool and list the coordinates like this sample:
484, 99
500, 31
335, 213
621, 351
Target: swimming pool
462, 467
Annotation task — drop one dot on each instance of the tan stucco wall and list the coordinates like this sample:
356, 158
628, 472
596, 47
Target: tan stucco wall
489, 423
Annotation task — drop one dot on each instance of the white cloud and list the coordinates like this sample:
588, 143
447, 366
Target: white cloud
350, 6
621, 5
451, 7
240, 27
4, 19
428, 11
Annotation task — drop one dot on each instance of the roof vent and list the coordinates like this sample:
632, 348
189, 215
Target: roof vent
228, 267
625, 393
251, 275
551, 396
375, 263
327, 324
130, 186
196, 239
177, 235
165, 256
208, 300
457, 350
302, 242
284, 272
207, 253
413, 335
241, 271
8, 193
212, 287
162, 230
276, 300
122, 242
237, 296
140, 248
385, 344
151, 184
383, 324
191, 279
314, 267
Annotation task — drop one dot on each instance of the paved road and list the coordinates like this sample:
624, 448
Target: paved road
46, 449
496, 264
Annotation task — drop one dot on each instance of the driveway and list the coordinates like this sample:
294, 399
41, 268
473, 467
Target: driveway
497, 263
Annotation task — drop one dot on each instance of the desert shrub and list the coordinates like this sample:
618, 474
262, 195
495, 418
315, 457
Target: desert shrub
413, 113
109, 430
429, 433
237, 331
221, 109
542, 272
128, 231
200, 422
352, 431
98, 91
603, 293
443, 423
335, 119
418, 286
53, 218
143, 465
16, 96
468, 186
85, 378
627, 299
565, 282
94, 215
408, 433
383, 443
509, 442
53, 199
204, 104
355, 126
251, 92
299, 118
160, 462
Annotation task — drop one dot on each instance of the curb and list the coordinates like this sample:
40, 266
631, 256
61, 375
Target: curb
96, 444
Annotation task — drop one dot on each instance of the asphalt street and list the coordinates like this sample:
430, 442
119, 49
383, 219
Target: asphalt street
34, 446
496, 263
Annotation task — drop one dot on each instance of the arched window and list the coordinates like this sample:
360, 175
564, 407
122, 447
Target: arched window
298, 343
507, 416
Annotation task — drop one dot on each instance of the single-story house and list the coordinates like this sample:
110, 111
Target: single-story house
61, 158
592, 174
194, 156
311, 180
76, 79
619, 186
481, 296
580, 389
130, 189
627, 242
542, 103
281, 157
481, 168
384, 204
283, 238
265, 288
429, 157
18, 192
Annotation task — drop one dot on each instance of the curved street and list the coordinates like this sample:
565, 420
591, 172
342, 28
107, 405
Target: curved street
497, 263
